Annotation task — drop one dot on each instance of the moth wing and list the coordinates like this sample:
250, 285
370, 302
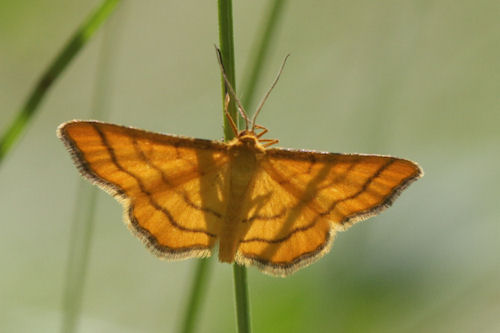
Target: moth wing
301, 198
171, 187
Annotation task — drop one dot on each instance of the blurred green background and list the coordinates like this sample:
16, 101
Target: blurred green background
415, 79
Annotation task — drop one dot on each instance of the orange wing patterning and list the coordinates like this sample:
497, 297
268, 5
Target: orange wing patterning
274, 208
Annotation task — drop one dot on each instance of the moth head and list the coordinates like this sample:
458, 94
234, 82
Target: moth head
248, 138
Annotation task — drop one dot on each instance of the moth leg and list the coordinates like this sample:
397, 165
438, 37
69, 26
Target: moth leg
269, 142
264, 130
231, 121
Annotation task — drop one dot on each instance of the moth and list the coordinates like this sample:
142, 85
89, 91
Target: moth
277, 209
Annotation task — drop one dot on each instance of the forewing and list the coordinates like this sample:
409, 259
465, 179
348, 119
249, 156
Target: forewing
310, 196
170, 186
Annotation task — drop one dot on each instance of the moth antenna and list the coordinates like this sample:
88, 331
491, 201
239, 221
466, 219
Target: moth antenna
241, 109
268, 92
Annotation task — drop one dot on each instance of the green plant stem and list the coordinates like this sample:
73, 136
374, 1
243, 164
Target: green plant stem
227, 51
226, 41
241, 297
253, 72
79, 249
198, 288
84, 215
64, 57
